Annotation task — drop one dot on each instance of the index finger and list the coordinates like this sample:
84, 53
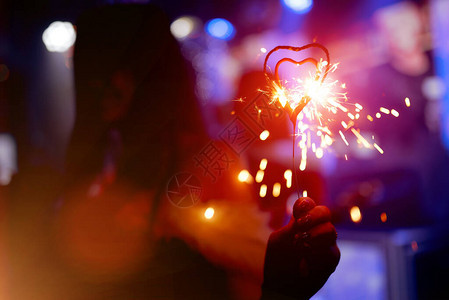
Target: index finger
317, 215
302, 206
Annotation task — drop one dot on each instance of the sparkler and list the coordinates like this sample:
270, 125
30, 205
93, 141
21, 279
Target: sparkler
291, 106
294, 104
316, 108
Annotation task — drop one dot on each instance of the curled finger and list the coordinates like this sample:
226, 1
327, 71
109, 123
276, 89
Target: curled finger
322, 235
302, 206
317, 215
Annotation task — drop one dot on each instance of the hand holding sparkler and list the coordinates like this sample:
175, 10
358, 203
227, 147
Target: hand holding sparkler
302, 255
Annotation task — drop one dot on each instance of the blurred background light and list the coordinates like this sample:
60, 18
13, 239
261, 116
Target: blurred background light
288, 178
263, 163
221, 29
259, 176
59, 36
184, 27
209, 213
264, 135
434, 88
244, 176
276, 189
356, 214
298, 6
263, 190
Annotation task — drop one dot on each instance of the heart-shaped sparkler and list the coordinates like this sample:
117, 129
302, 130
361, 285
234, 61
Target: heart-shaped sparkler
287, 102
294, 112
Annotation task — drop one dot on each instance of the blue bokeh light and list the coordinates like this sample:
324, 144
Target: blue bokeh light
298, 6
221, 29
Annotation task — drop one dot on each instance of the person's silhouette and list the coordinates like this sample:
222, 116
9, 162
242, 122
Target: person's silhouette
137, 122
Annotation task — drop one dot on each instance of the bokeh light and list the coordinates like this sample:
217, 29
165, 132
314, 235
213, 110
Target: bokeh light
356, 214
263, 164
288, 178
209, 213
259, 176
263, 190
244, 176
221, 29
264, 135
59, 36
276, 189
298, 6
184, 27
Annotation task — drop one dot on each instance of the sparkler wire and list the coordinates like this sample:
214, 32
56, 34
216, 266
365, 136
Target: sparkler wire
293, 159
298, 49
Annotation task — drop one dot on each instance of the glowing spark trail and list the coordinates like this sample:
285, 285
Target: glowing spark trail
407, 102
378, 148
361, 138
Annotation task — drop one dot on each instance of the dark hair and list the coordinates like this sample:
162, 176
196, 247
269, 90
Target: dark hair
163, 125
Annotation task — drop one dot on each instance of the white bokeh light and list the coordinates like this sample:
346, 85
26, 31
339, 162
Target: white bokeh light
209, 213
59, 36
183, 27
299, 6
